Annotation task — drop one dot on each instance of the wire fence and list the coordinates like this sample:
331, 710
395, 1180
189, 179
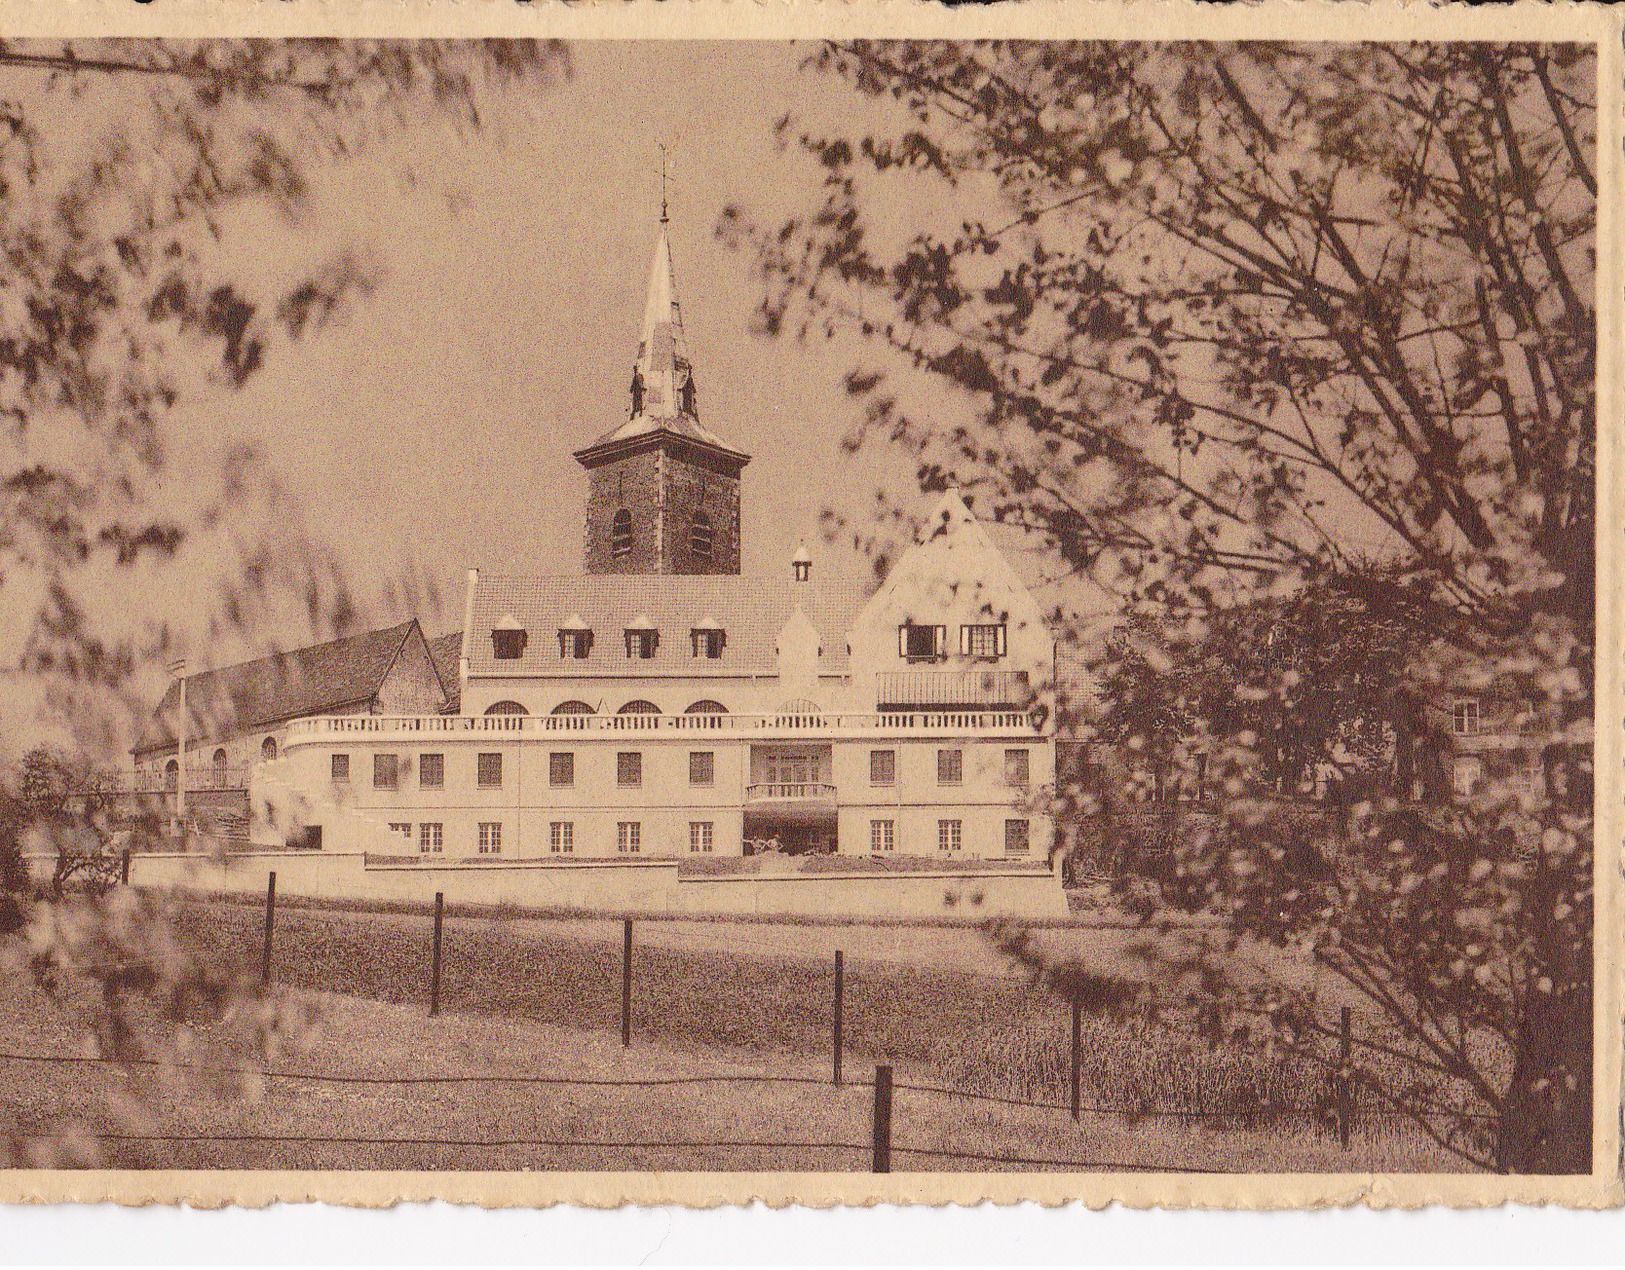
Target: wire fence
1337, 1114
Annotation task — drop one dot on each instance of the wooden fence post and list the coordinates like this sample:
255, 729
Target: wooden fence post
882, 1135
840, 989
1345, 1090
434, 974
1077, 1058
626, 984
124, 867
270, 925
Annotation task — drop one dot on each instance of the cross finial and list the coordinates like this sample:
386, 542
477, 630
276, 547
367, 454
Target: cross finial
664, 219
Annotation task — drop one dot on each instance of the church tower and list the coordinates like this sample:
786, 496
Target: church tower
663, 490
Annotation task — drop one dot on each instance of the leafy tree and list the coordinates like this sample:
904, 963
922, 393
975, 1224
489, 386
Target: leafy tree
128, 172
1231, 324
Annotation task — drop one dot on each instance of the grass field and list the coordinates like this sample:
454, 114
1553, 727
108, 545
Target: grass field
522, 1000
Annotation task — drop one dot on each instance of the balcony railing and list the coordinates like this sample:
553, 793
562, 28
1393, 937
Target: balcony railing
208, 779
411, 727
953, 689
797, 791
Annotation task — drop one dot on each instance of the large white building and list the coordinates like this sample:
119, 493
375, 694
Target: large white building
661, 704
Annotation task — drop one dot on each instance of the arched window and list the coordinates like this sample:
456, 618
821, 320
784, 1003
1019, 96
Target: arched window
573, 707
707, 707
506, 707
704, 714
799, 706
172, 774
699, 535
620, 533
268, 749
220, 768
639, 707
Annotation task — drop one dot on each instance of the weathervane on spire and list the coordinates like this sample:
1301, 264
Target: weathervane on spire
664, 218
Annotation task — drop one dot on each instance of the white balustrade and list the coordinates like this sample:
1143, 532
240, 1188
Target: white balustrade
941, 722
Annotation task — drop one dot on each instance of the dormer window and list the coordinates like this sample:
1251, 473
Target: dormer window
983, 640
508, 639
801, 564
642, 639
708, 638
620, 533
916, 642
700, 536
575, 639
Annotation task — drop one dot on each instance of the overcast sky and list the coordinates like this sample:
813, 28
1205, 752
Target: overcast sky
433, 429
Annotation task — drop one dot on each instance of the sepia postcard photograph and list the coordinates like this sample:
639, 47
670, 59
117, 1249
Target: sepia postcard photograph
630, 607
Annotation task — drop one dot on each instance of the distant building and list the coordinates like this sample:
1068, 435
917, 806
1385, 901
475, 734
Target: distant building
238, 716
662, 704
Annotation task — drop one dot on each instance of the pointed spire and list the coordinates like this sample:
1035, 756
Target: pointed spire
663, 379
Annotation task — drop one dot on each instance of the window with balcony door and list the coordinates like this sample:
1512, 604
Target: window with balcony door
792, 769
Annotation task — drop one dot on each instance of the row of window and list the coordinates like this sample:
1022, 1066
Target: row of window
950, 836
702, 769
642, 642
387, 768
917, 642
431, 836
701, 534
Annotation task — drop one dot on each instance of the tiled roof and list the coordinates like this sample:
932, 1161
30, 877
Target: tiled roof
751, 611
304, 681
447, 651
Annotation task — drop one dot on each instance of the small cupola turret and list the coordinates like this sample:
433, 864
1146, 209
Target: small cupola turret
801, 564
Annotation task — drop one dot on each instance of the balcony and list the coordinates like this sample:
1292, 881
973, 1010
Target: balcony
939, 718
213, 778
957, 690
797, 792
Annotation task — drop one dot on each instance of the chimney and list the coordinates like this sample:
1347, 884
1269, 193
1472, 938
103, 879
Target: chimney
801, 564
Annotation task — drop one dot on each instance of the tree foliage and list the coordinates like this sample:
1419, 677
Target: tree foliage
1292, 348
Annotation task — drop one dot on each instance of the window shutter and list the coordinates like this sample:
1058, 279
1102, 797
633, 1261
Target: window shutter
940, 646
999, 640
902, 640
964, 639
